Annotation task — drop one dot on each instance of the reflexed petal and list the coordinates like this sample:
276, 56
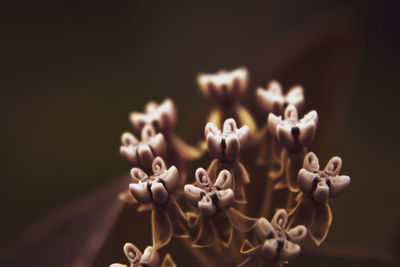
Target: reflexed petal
128, 153
192, 218
291, 114
158, 144
193, 193
269, 248
297, 234
127, 197
150, 257
263, 230
311, 162
320, 226
223, 229
161, 227
334, 166
311, 116
240, 221
167, 261
290, 250
244, 134
140, 192
202, 178
247, 248
224, 180
214, 146
176, 216
171, 179
118, 265
303, 213
225, 198
305, 180
206, 206
159, 193
280, 219
206, 234
338, 185
211, 128
232, 147
132, 252
321, 192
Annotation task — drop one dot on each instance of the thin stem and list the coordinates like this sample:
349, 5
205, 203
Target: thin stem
198, 253
267, 199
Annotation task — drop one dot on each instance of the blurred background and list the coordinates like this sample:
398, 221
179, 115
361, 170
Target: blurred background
71, 72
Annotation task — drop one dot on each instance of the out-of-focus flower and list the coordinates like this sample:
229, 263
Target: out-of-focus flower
141, 154
224, 88
293, 133
272, 100
162, 117
227, 144
317, 187
276, 243
155, 188
149, 258
214, 201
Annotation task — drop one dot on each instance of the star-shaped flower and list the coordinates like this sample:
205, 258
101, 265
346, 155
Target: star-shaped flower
224, 88
321, 185
276, 243
155, 188
293, 133
272, 100
162, 117
141, 154
317, 187
208, 197
227, 144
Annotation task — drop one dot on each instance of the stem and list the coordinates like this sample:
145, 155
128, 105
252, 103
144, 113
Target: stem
267, 199
198, 254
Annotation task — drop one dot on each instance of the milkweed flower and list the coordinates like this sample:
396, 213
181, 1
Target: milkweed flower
142, 153
317, 186
272, 100
275, 242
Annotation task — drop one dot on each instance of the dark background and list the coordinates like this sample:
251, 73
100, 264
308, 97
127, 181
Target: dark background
72, 71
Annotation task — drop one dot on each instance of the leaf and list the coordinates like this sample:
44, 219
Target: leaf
184, 150
167, 261
241, 173
223, 229
322, 221
192, 218
240, 221
161, 227
206, 235
247, 248
176, 216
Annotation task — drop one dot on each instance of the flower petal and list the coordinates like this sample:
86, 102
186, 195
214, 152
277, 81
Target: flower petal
226, 198
321, 192
214, 146
240, 221
338, 185
161, 227
303, 213
224, 180
232, 147
306, 133
223, 229
132, 252
206, 235
167, 261
193, 193
138, 175
128, 139
269, 248
273, 122
171, 179
297, 234
202, 178
311, 162
150, 257
140, 192
159, 193
295, 96
206, 206
305, 179
285, 137
289, 250
145, 156
334, 166
321, 224
263, 230
280, 219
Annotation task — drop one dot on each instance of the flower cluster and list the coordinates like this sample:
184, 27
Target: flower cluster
211, 209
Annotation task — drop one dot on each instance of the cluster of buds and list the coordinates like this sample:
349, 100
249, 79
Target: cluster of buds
217, 195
